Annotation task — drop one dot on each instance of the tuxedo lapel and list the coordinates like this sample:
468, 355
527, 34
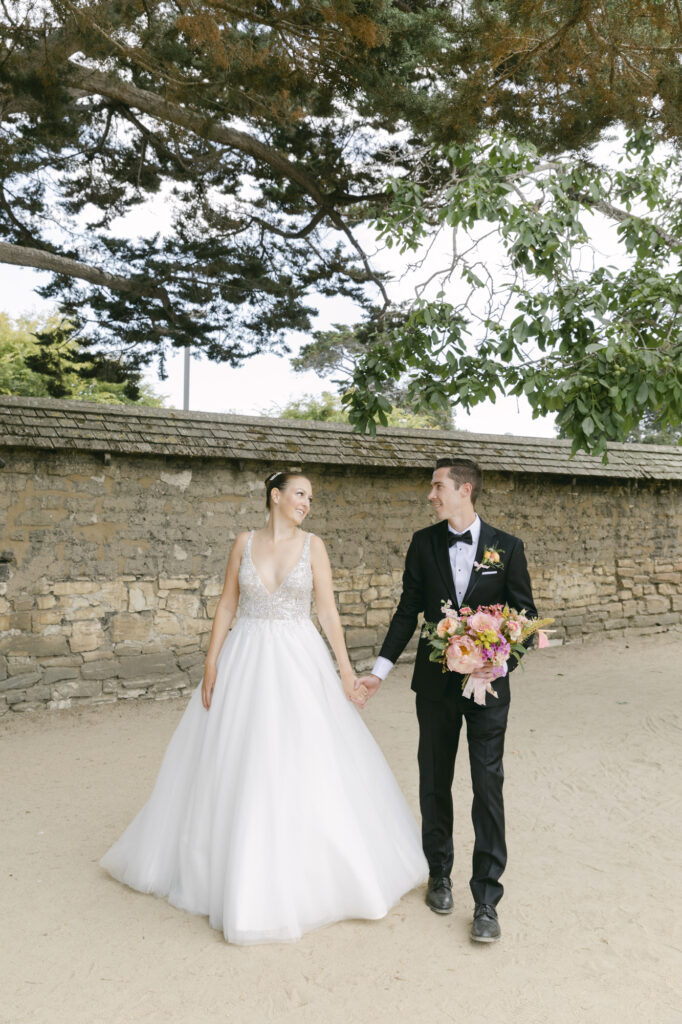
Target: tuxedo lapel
486, 539
441, 554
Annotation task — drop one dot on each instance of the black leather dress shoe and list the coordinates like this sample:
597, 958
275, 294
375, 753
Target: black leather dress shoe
439, 894
485, 926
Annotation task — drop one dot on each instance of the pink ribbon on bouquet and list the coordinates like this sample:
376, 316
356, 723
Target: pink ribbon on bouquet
478, 688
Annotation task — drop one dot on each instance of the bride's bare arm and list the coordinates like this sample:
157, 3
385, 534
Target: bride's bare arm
328, 616
224, 614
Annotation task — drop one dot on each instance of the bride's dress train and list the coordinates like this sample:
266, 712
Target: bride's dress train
274, 812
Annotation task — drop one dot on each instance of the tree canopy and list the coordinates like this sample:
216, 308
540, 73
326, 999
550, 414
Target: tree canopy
595, 340
43, 359
328, 408
649, 431
265, 133
268, 131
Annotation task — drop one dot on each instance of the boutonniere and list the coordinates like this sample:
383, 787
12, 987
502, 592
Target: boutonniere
492, 559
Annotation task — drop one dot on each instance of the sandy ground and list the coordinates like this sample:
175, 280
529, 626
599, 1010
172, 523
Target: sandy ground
590, 918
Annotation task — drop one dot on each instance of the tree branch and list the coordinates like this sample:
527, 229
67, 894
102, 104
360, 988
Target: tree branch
551, 42
154, 140
22, 231
339, 223
96, 83
304, 231
19, 105
24, 256
609, 210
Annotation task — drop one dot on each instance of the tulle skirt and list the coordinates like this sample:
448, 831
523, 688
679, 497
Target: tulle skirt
275, 811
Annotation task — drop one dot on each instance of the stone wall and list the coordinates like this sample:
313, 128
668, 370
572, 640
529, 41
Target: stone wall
111, 565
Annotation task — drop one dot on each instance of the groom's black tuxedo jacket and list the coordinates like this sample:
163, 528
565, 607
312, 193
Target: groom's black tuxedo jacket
428, 582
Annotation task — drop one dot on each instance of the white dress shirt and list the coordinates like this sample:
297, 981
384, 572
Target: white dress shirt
462, 558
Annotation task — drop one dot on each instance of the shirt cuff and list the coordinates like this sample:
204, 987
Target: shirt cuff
382, 666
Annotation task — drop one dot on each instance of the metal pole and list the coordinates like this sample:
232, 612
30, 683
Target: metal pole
185, 396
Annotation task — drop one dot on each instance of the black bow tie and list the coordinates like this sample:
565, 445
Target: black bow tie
465, 537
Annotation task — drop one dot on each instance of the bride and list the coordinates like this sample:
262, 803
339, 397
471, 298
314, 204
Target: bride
274, 812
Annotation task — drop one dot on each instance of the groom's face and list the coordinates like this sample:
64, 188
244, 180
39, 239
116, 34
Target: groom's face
448, 498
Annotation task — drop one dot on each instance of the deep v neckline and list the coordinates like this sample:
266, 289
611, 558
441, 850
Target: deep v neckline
272, 593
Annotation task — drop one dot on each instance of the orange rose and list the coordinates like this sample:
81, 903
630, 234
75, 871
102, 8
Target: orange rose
447, 626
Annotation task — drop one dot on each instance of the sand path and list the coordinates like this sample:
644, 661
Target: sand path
591, 915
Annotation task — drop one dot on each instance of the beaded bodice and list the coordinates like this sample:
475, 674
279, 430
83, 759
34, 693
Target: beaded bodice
291, 600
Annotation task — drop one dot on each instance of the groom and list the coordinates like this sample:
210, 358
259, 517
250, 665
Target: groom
441, 565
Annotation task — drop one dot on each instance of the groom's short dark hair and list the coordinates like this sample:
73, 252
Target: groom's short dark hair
464, 471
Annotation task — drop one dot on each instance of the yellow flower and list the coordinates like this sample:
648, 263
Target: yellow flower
491, 556
488, 636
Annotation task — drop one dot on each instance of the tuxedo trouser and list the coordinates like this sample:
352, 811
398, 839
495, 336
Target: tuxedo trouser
440, 723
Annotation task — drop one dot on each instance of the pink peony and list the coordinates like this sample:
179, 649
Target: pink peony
482, 621
462, 655
447, 626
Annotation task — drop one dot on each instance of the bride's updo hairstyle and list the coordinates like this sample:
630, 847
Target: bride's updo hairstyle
278, 479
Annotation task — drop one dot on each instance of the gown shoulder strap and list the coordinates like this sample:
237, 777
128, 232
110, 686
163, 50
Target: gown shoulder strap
247, 546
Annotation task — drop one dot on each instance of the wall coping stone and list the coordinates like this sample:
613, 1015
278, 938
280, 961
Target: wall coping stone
55, 424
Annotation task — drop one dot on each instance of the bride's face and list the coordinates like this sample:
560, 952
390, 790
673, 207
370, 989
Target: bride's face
293, 501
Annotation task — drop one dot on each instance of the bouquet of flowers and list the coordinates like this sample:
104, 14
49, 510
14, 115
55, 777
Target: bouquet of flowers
468, 640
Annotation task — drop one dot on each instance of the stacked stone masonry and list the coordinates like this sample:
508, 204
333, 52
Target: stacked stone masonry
112, 561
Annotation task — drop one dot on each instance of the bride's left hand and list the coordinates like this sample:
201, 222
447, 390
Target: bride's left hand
356, 696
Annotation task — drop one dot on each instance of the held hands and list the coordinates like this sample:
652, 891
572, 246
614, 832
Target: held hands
355, 693
358, 691
369, 684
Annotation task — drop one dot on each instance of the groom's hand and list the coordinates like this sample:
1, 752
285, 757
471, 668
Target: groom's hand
370, 682
486, 673
354, 692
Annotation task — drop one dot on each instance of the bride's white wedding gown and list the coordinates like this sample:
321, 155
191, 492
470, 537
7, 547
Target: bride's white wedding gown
274, 812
